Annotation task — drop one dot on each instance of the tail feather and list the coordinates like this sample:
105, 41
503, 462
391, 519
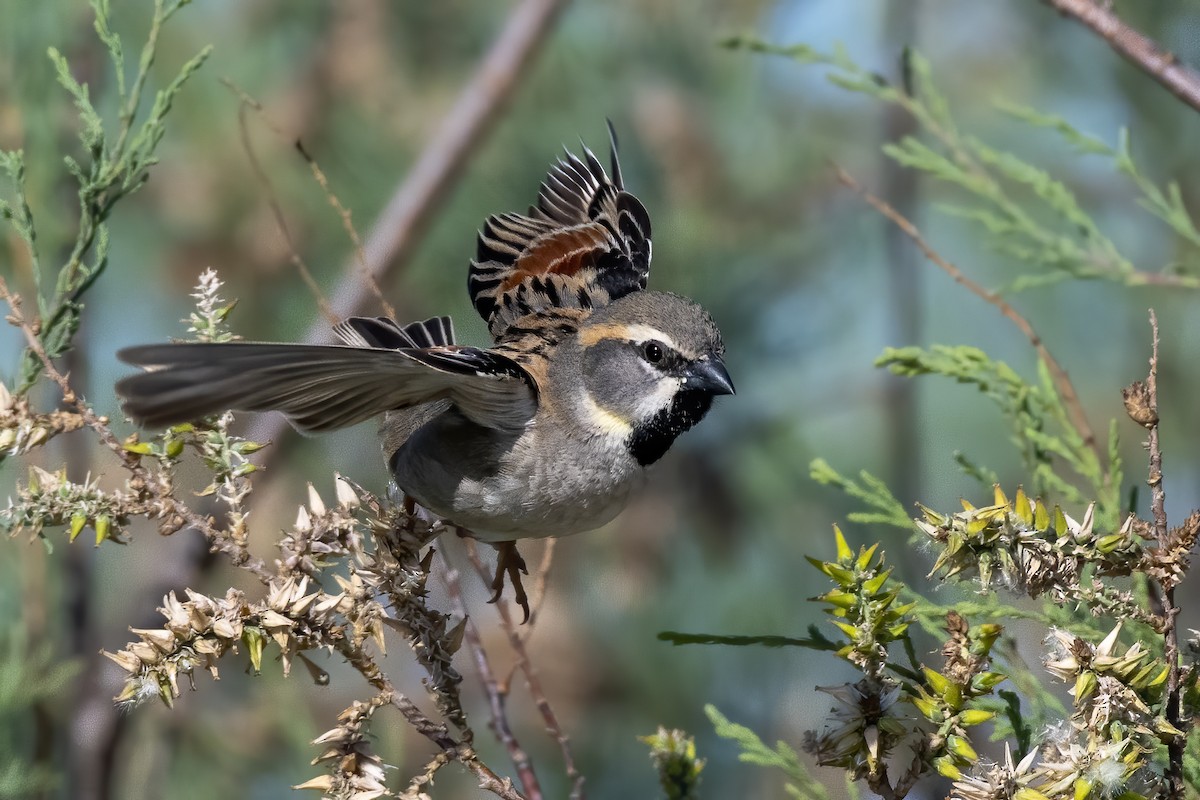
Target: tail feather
318, 387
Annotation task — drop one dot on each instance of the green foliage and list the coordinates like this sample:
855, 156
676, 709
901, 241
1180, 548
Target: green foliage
29, 677
815, 640
862, 605
1110, 741
800, 784
1042, 430
872, 491
113, 167
1166, 204
1025, 212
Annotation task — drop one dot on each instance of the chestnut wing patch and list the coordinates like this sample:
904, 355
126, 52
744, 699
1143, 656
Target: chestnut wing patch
567, 251
586, 243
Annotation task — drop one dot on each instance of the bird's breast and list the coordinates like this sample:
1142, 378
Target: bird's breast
532, 483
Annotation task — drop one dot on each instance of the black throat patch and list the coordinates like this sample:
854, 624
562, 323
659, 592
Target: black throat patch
651, 440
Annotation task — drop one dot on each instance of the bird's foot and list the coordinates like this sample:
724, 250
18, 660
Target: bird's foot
510, 563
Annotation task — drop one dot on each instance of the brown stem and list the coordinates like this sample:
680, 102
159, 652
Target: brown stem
1137, 48
540, 578
400, 226
1158, 496
1061, 380
549, 718
497, 695
458, 751
1158, 499
273, 203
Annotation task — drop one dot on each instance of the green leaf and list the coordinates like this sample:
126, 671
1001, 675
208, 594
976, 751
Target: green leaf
872, 491
1082, 142
815, 640
755, 751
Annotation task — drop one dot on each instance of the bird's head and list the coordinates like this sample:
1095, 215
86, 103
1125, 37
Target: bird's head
652, 363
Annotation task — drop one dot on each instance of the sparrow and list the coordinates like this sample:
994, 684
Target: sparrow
590, 379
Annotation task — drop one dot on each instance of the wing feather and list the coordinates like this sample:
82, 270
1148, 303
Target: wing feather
386, 333
586, 243
323, 387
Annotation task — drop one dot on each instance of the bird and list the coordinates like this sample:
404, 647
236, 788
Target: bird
589, 380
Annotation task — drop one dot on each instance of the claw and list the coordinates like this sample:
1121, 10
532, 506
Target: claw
509, 562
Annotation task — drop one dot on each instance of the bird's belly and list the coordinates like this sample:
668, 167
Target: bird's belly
496, 511
521, 493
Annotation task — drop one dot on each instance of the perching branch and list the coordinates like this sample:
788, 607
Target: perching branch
437, 734
1137, 48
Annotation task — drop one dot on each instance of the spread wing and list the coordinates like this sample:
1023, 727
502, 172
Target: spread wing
586, 243
386, 333
323, 387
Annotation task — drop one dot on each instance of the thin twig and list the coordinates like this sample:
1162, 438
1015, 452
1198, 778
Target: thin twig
1065, 388
1158, 496
249, 101
458, 751
541, 578
348, 226
439, 760
549, 718
272, 199
1158, 499
497, 695
400, 226
169, 507
1137, 48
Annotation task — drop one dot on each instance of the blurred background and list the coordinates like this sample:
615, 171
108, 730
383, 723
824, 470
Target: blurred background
731, 152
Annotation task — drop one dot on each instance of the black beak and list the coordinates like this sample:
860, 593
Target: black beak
708, 375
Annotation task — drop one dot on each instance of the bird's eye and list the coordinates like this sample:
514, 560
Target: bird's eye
652, 352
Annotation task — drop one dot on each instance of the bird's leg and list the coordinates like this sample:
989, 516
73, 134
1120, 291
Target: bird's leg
510, 563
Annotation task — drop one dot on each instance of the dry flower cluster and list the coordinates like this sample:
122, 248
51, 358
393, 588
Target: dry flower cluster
1132, 702
379, 549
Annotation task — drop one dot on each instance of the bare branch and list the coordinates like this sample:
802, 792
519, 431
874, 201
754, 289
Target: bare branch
1158, 496
248, 101
455, 750
348, 226
1137, 48
497, 695
1162, 535
549, 718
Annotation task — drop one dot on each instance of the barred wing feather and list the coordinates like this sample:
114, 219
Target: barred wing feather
585, 244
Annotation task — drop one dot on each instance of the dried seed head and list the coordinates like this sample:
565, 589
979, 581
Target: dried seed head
1137, 404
